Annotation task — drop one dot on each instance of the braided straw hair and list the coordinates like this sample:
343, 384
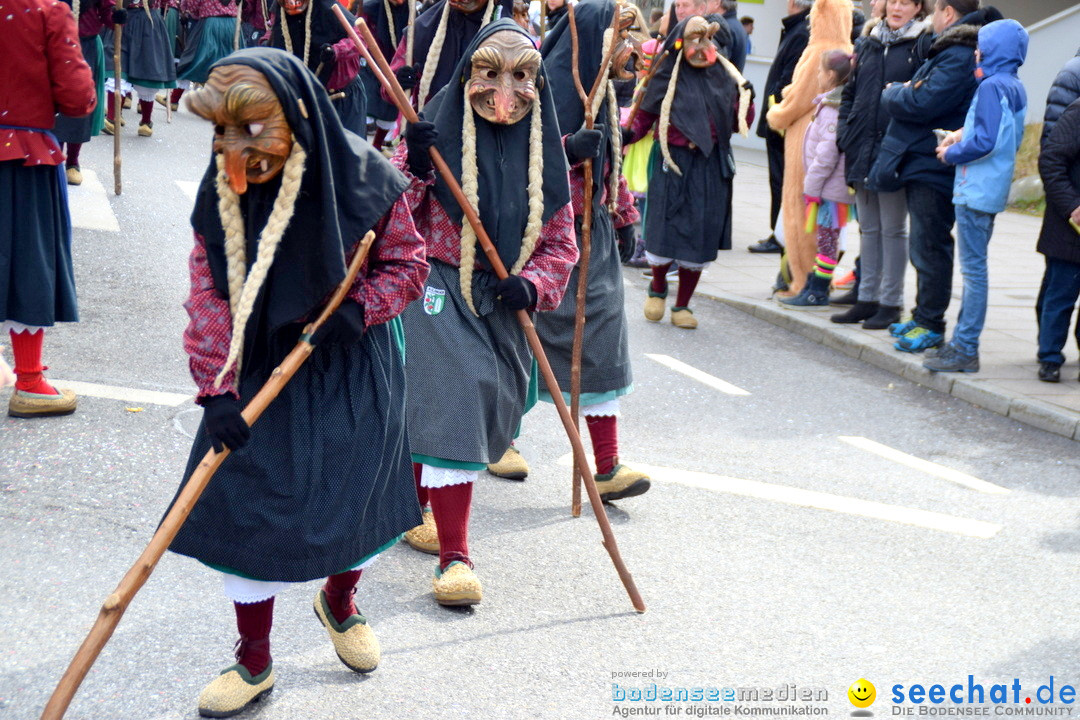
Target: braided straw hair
75, 11
616, 147
665, 114
243, 291
431, 63
307, 34
470, 185
744, 92
390, 18
236, 29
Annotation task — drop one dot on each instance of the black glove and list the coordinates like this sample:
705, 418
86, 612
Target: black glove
584, 144
119, 16
516, 292
419, 137
626, 134
627, 242
407, 76
327, 54
224, 424
345, 326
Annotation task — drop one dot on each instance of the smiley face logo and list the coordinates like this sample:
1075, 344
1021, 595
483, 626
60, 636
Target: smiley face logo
862, 693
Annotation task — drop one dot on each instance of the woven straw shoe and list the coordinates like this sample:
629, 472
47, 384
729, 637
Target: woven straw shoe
424, 538
354, 640
622, 482
511, 466
457, 585
74, 175
233, 690
33, 405
146, 129
683, 318
654, 307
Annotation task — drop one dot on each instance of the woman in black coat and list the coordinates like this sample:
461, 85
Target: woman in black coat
1059, 166
891, 52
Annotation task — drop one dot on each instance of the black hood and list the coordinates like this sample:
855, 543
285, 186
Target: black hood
325, 29
375, 12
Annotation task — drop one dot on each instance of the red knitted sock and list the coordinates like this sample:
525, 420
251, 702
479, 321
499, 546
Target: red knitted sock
339, 591
451, 505
604, 433
110, 108
254, 620
146, 108
26, 347
688, 280
659, 278
73, 150
421, 492
174, 96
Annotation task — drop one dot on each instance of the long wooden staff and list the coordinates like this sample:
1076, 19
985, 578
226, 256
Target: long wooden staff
116, 603
374, 57
656, 61
118, 102
587, 101
543, 19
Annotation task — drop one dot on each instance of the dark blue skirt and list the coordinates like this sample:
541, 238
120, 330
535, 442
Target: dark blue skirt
326, 479
37, 280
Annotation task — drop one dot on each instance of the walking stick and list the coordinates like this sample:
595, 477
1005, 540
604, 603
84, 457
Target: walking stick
116, 603
543, 20
641, 91
587, 101
118, 102
371, 53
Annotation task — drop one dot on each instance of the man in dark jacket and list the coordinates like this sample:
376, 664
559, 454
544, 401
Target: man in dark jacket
1059, 167
1063, 92
937, 96
726, 12
793, 39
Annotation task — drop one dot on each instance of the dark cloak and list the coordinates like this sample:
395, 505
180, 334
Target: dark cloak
325, 29
460, 31
705, 99
502, 156
375, 12
346, 188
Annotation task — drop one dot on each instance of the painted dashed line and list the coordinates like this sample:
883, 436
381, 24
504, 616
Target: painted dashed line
130, 395
930, 468
89, 205
189, 188
695, 374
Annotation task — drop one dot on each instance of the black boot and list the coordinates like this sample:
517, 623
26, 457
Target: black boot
859, 311
851, 296
883, 318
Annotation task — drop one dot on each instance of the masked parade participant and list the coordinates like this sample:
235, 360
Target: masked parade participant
442, 34
309, 30
696, 99
605, 356
388, 20
212, 36
468, 363
322, 483
43, 73
146, 64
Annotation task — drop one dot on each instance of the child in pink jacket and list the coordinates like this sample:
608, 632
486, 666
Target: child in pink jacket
828, 199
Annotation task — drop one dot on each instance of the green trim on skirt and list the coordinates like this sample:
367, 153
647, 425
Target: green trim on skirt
449, 464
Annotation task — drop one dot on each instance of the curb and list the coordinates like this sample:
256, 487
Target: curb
857, 344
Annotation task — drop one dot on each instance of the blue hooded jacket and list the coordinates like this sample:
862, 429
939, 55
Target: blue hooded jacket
986, 157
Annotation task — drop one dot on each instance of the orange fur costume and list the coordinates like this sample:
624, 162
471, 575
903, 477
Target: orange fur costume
830, 29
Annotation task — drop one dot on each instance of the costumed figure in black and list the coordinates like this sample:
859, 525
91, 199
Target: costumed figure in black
443, 32
309, 30
469, 362
605, 357
214, 31
146, 64
388, 20
695, 100
322, 484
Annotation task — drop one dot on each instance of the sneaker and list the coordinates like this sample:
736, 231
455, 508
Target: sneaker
901, 329
767, 245
1050, 372
918, 339
951, 359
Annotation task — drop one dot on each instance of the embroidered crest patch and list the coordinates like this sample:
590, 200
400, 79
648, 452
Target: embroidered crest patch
434, 300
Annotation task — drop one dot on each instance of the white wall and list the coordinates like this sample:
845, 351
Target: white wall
1052, 42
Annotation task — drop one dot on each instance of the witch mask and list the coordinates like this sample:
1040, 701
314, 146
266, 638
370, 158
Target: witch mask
294, 7
503, 84
250, 129
698, 47
467, 6
628, 57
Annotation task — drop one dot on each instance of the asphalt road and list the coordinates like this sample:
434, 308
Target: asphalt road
770, 551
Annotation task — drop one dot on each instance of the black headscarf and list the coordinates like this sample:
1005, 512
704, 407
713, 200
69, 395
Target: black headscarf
325, 29
592, 18
460, 31
502, 156
346, 188
375, 12
705, 99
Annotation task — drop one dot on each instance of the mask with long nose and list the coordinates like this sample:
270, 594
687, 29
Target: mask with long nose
628, 57
697, 45
503, 84
294, 7
250, 129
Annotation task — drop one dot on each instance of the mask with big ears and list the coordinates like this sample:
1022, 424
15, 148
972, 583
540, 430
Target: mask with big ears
697, 45
503, 85
250, 130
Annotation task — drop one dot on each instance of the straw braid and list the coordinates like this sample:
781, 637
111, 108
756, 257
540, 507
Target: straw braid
236, 30
744, 92
307, 33
390, 19
233, 224
469, 185
616, 147
410, 31
269, 239
75, 11
665, 115
431, 63
534, 223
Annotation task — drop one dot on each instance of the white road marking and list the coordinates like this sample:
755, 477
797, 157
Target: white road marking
189, 188
89, 205
692, 372
930, 468
130, 395
814, 499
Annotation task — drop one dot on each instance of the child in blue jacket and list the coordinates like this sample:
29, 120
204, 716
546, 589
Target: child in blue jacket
984, 151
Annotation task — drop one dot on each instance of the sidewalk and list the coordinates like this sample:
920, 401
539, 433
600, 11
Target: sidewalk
1006, 383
